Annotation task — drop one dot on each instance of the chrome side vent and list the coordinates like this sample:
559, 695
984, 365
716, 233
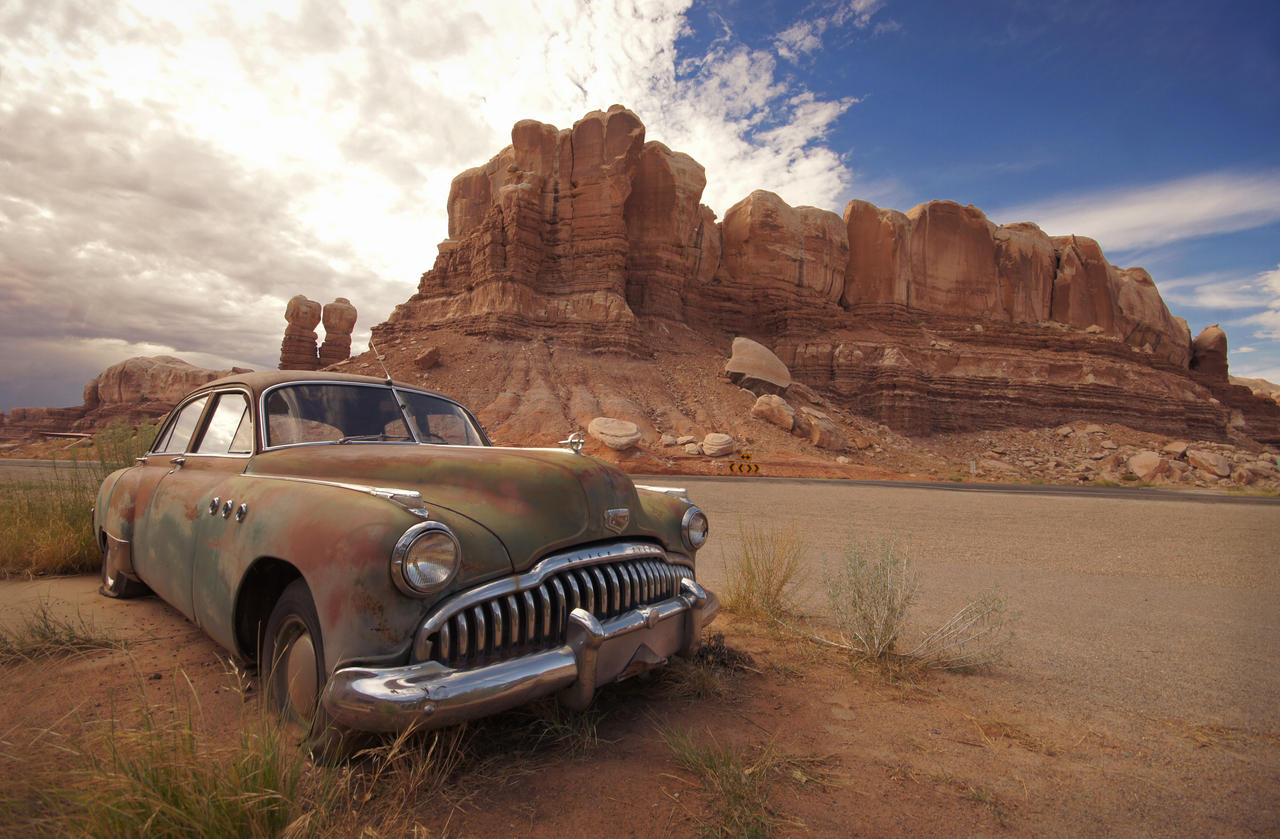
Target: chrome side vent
479, 627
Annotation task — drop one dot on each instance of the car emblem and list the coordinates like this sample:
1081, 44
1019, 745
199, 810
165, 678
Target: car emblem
617, 519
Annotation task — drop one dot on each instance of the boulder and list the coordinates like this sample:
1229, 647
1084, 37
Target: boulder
717, 445
615, 433
427, 359
774, 409
692, 448
819, 429
754, 366
1177, 448
1148, 465
1210, 462
667, 440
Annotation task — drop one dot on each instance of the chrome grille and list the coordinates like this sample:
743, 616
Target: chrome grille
469, 630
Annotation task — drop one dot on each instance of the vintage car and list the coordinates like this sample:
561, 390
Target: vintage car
386, 566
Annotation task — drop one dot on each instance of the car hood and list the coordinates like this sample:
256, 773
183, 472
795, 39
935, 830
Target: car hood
536, 501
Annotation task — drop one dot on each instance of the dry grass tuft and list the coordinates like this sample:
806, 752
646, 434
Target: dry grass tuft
739, 782
762, 580
991, 730
45, 525
43, 634
707, 674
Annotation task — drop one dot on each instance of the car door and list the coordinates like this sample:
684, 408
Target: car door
179, 513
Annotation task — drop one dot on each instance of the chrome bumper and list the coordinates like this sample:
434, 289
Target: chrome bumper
431, 695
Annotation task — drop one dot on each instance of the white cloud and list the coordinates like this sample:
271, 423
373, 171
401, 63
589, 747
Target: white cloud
1158, 214
171, 173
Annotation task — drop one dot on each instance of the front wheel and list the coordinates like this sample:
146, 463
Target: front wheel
292, 659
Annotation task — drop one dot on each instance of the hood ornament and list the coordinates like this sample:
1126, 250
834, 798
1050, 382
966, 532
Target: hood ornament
617, 519
574, 442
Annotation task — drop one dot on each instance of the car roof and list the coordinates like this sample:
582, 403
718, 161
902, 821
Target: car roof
257, 382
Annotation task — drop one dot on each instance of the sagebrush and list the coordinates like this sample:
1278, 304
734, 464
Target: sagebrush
871, 593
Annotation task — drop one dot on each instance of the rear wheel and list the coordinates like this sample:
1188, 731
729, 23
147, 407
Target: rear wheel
115, 584
292, 659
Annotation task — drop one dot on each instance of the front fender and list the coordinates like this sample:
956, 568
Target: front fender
340, 540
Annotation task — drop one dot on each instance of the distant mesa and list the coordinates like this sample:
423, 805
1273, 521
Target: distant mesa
582, 278
592, 242
134, 390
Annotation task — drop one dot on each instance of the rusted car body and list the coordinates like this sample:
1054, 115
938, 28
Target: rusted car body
386, 565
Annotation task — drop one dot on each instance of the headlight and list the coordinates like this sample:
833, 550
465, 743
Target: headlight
425, 559
693, 528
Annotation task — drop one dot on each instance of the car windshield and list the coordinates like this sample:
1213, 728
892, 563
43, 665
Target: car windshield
344, 413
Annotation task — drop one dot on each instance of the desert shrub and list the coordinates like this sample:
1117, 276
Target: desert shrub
871, 593
762, 580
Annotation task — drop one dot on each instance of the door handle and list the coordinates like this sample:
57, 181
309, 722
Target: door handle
178, 461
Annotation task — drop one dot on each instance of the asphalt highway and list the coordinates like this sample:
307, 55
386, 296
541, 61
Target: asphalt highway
1132, 601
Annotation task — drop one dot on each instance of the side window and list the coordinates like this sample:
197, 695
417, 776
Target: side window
178, 435
230, 428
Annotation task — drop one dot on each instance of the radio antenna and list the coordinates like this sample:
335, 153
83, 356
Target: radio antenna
381, 360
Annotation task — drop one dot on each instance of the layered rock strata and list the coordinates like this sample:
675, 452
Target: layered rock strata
931, 320
339, 318
298, 350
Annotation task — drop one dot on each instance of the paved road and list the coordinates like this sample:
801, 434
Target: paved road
36, 470
1131, 604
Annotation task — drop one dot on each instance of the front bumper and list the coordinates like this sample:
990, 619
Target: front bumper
432, 695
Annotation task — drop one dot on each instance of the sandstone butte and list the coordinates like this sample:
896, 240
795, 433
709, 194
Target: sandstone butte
583, 278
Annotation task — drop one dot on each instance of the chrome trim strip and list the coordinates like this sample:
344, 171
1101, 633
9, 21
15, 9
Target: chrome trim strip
674, 492
409, 500
595, 653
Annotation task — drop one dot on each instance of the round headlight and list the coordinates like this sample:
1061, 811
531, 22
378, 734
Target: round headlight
694, 528
425, 559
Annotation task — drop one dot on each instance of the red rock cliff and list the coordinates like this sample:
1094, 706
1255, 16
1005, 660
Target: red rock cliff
936, 319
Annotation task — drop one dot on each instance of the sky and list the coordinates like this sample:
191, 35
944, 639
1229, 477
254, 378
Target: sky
172, 173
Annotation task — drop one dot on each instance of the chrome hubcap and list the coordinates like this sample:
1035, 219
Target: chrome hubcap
298, 668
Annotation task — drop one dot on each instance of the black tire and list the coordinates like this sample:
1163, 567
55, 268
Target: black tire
117, 585
292, 663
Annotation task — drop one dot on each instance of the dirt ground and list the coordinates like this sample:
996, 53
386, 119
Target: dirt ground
1140, 698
